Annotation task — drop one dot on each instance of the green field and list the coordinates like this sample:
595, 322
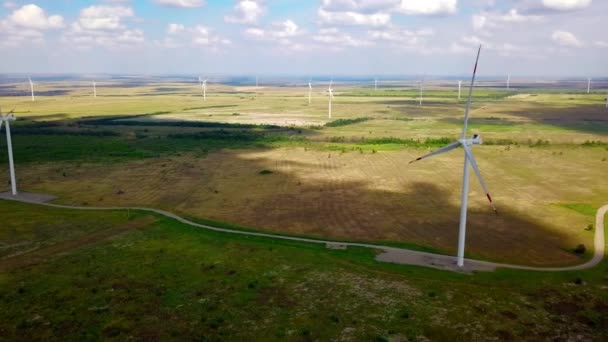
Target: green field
263, 159
135, 276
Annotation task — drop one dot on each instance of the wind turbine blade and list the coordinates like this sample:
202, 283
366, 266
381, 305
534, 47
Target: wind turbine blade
439, 151
466, 113
471, 159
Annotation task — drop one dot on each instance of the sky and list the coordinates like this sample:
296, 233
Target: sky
558, 38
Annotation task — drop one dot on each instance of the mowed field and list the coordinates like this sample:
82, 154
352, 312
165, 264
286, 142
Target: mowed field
544, 162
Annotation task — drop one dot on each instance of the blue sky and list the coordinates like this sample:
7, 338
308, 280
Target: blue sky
375, 37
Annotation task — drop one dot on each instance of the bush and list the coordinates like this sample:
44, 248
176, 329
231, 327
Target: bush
345, 122
589, 227
580, 249
265, 172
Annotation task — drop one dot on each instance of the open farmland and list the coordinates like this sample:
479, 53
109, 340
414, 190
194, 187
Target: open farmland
166, 148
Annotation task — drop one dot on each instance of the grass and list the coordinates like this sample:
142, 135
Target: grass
164, 280
324, 176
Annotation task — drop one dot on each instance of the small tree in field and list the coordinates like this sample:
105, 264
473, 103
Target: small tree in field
580, 249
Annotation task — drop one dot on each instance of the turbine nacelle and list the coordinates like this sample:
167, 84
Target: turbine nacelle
474, 140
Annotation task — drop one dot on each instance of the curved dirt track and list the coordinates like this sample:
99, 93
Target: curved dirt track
389, 254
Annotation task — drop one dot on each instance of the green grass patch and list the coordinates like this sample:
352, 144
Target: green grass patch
345, 122
583, 208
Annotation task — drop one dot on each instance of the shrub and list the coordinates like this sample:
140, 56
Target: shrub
265, 172
580, 249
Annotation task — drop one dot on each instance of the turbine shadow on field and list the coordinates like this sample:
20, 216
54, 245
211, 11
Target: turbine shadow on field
323, 199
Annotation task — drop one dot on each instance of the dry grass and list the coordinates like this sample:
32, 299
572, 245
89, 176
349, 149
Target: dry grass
369, 196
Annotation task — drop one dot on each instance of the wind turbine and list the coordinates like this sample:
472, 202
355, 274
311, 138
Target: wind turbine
459, 86
6, 119
309, 90
94, 89
32, 88
421, 92
509, 81
375, 84
331, 96
468, 158
204, 88
588, 85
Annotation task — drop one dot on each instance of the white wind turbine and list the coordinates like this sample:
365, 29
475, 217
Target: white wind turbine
309, 91
375, 84
331, 96
468, 158
32, 88
421, 92
203, 83
459, 87
5, 119
509, 81
94, 89
588, 85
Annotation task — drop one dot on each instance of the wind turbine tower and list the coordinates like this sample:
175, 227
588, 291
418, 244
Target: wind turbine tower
588, 85
204, 85
421, 92
466, 145
459, 87
309, 91
331, 96
375, 84
94, 89
32, 88
509, 81
6, 119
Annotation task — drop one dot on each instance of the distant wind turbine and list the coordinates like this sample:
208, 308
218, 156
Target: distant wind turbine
331, 96
204, 85
588, 85
32, 88
509, 81
94, 89
468, 158
459, 86
376, 84
421, 92
309, 91
6, 119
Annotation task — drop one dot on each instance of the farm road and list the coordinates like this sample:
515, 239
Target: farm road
388, 254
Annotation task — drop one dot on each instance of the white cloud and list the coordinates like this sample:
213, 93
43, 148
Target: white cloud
9, 5
281, 32
26, 25
402, 37
103, 17
601, 44
103, 26
198, 35
175, 28
246, 12
566, 5
334, 37
485, 21
202, 36
34, 17
427, 7
353, 18
565, 38
181, 3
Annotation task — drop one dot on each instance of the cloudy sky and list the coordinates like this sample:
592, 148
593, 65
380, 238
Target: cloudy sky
299, 37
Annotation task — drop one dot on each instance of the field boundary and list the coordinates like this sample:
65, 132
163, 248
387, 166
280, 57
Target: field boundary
389, 254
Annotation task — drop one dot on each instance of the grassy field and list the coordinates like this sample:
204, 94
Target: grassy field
70, 275
161, 145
